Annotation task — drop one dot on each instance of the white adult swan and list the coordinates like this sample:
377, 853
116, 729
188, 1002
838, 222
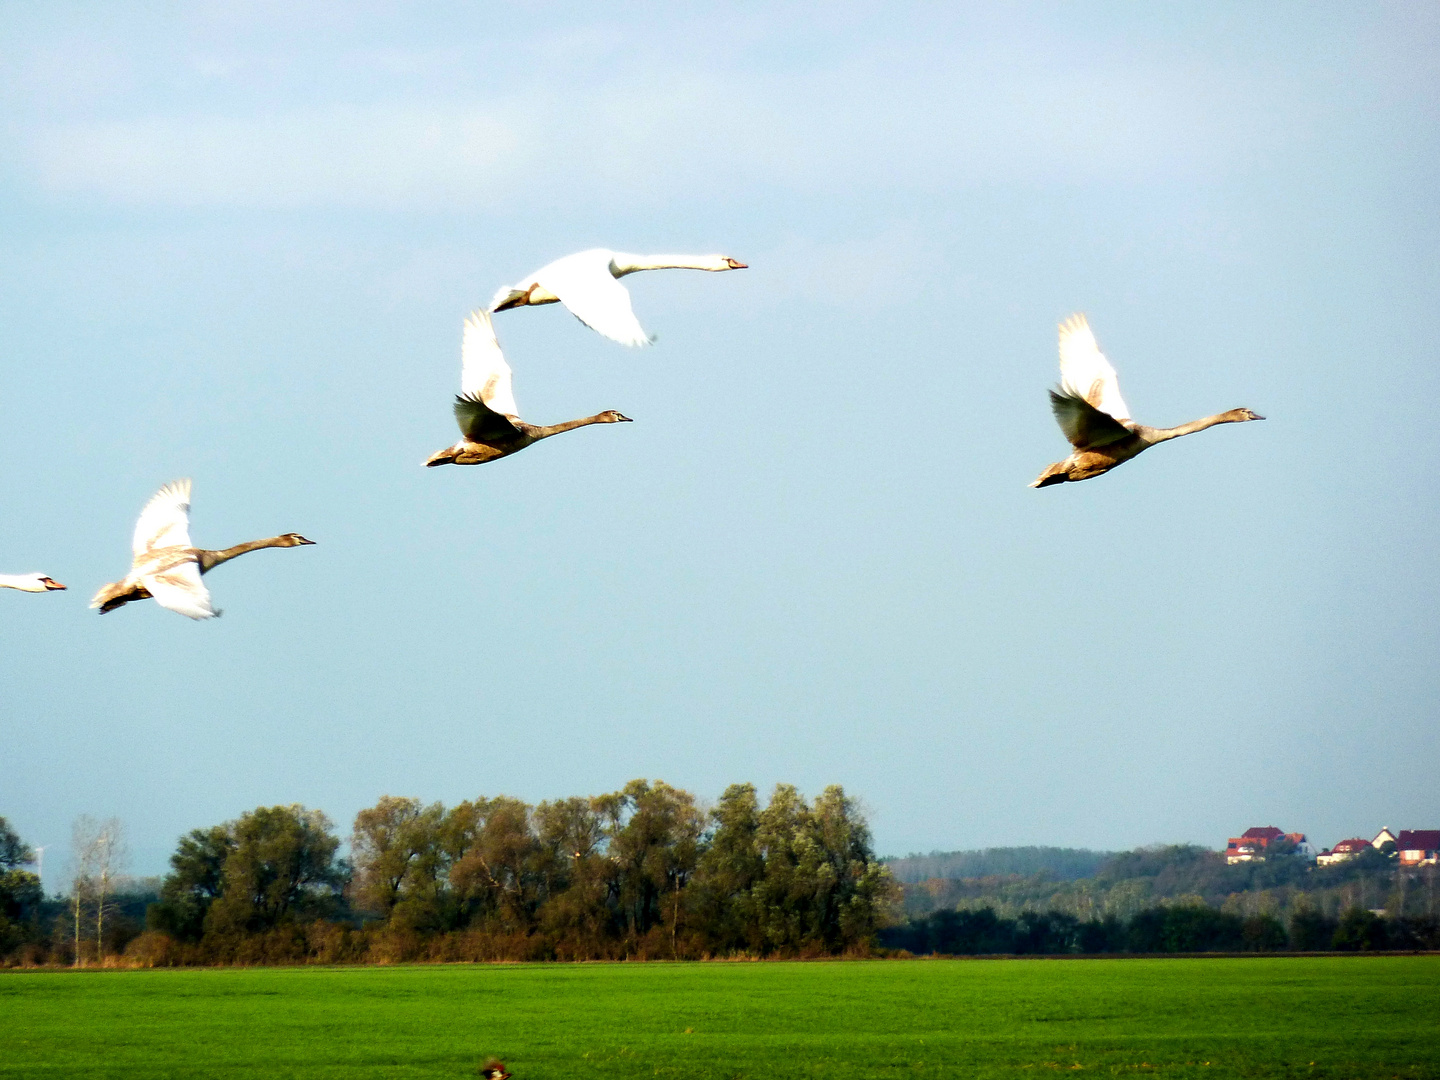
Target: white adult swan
587, 284
29, 582
490, 425
166, 566
1094, 417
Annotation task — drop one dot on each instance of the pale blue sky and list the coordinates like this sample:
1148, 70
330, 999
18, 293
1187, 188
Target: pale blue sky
237, 241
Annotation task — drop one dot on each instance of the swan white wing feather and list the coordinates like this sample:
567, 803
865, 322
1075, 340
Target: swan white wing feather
484, 374
1085, 372
589, 290
180, 589
165, 521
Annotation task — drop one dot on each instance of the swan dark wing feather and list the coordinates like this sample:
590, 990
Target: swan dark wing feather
482, 424
1084, 425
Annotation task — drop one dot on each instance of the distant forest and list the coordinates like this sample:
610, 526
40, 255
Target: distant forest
646, 873
1178, 898
1056, 863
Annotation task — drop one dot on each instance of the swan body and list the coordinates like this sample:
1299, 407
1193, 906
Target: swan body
588, 284
490, 426
1094, 417
29, 582
166, 567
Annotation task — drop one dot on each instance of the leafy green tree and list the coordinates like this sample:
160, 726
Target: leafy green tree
1263, 933
577, 875
495, 873
1360, 929
823, 889
654, 844
20, 891
730, 868
197, 871
1310, 930
1046, 933
282, 868
397, 854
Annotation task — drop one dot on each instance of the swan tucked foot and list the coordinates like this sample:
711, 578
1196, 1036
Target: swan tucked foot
468, 454
1080, 466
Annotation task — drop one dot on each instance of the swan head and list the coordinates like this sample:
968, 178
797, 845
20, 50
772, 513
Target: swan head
610, 416
292, 540
1241, 415
35, 583
733, 264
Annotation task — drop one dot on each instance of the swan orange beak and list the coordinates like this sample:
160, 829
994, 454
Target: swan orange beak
51, 585
736, 264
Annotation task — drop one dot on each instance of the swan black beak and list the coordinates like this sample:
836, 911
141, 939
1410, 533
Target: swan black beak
305, 543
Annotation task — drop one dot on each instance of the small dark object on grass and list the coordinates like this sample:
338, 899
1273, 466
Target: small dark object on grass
494, 1070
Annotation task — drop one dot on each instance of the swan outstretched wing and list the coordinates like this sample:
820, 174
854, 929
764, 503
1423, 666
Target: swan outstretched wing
484, 374
165, 521
590, 292
1084, 371
480, 423
1084, 425
180, 589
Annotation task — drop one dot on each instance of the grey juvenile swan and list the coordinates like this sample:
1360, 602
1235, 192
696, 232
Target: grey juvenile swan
166, 567
588, 284
29, 582
1094, 417
490, 426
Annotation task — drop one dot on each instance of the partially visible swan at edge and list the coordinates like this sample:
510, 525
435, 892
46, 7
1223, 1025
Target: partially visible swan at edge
166, 567
29, 582
1094, 417
587, 284
490, 426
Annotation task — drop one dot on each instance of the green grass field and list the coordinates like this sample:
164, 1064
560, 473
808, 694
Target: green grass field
1310, 1017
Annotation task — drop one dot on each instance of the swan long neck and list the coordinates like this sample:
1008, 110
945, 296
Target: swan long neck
17, 581
208, 560
1155, 435
545, 431
622, 263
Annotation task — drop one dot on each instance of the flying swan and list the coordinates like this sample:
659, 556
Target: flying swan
1094, 417
166, 567
587, 283
490, 426
29, 582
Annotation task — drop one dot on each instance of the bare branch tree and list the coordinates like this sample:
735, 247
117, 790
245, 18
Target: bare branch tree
98, 852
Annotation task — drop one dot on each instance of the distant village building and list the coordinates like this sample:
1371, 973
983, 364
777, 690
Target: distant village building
1345, 849
1251, 845
1383, 837
1418, 847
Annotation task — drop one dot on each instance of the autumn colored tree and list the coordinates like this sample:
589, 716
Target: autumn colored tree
395, 848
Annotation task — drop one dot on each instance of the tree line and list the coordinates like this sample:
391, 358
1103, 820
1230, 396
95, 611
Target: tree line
1177, 928
644, 872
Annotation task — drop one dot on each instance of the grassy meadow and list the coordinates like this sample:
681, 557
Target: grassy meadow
1343, 1017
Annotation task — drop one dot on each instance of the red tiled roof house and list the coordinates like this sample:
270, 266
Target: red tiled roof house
1345, 849
1251, 845
1418, 847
